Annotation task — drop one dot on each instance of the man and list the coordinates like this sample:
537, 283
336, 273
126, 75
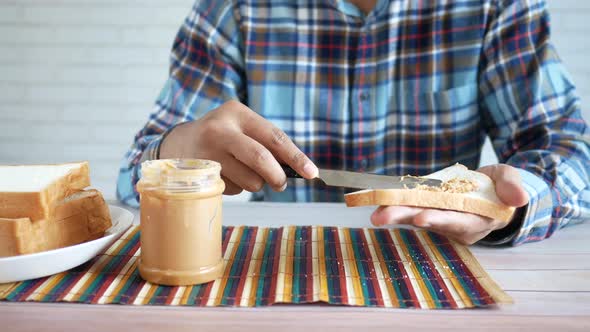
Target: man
391, 87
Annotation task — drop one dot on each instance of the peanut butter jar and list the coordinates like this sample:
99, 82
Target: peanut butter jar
180, 221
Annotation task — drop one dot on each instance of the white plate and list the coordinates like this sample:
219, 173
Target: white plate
24, 267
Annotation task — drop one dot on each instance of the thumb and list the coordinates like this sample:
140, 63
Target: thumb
508, 184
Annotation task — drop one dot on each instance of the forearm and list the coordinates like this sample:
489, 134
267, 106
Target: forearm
205, 70
533, 117
558, 190
550, 147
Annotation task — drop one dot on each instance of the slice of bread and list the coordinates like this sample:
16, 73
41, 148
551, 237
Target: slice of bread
81, 217
462, 190
29, 191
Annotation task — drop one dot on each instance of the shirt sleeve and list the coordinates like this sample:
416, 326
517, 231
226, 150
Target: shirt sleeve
206, 69
533, 117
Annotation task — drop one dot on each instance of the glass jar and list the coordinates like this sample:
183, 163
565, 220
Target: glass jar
180, 207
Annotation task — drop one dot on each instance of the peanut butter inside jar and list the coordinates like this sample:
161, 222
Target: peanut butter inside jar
180, 207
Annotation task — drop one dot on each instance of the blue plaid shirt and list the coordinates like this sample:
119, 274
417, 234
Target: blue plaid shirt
409, 88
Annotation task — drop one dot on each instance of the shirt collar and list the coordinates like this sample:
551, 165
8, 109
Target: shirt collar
352, 10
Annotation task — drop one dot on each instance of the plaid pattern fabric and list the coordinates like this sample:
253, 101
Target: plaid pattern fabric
412, 87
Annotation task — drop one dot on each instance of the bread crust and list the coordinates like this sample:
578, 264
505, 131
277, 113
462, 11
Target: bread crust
37, 205
430, 199
79, 220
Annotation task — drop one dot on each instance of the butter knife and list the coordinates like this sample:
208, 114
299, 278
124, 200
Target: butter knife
357, 180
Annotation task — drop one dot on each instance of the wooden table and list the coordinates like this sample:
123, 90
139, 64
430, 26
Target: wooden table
549, 281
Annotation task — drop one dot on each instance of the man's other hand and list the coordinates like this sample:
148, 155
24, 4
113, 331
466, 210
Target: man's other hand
465, 228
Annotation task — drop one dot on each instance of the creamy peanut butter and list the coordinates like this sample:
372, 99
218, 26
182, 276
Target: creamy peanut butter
456, 186
180, 221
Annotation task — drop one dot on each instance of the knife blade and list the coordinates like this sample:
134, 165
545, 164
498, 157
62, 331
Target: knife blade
357, 180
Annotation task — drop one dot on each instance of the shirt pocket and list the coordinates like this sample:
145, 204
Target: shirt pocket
428, 131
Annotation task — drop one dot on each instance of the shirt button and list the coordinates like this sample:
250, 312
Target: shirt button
364, 163
364, 96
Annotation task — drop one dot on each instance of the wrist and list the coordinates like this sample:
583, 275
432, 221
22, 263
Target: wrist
170, 142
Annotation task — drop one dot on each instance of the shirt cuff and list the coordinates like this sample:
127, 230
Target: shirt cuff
529, 222
537, 220
505, 235
152, 150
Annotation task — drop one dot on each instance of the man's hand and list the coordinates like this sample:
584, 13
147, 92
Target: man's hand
466, 228
248, 147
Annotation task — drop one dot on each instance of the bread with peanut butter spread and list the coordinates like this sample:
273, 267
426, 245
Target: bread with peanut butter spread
462, 190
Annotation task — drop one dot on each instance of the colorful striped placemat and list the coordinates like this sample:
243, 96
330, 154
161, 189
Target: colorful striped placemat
398, 268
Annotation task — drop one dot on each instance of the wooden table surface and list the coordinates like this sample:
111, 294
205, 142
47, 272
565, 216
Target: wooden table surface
549, 282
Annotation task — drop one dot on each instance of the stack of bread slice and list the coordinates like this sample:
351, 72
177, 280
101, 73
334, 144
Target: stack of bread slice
44, 207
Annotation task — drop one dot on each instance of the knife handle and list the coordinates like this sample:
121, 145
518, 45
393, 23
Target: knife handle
290, 172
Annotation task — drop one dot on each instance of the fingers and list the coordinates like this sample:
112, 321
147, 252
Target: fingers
230, 187
259, 160
464, 227
275, 140
241, 175
508, 184
452, 221
247, 141
390, 215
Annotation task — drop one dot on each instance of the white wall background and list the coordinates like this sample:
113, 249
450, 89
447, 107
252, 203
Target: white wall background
78, 77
